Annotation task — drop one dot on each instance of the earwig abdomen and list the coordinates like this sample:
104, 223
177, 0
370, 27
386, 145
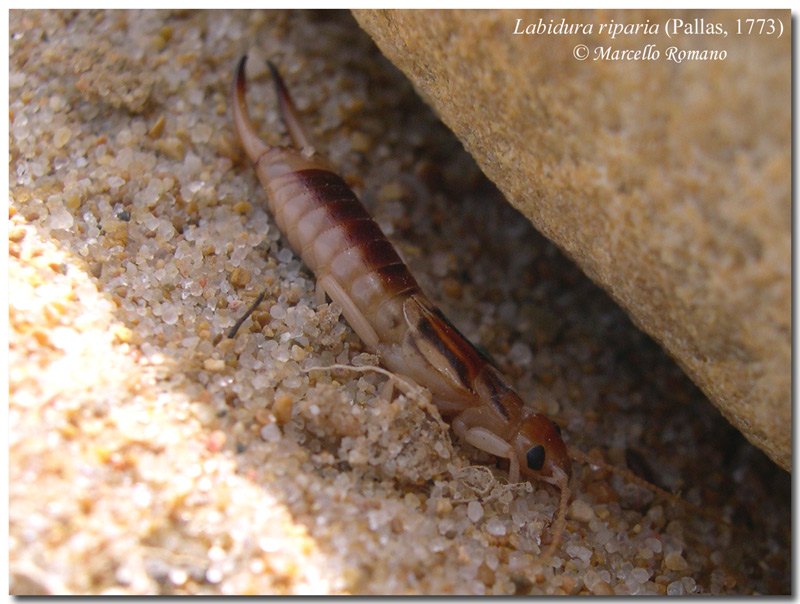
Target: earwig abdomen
337, 239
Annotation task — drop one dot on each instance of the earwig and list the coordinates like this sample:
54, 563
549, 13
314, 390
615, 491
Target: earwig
360, 270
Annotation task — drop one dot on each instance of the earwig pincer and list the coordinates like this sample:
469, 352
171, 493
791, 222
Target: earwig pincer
358, 268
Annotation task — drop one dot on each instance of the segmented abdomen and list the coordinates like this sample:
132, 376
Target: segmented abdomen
337, 238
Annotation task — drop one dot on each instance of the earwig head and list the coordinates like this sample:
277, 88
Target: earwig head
543, 456
501, 424
539, 448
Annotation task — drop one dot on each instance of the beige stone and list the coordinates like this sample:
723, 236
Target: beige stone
668, 183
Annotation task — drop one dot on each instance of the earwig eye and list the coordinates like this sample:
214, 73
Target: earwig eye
558, 428
535, 457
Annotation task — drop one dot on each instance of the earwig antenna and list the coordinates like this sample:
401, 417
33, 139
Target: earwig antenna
559, 480
582, 457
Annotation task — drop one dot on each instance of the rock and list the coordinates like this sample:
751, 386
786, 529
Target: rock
667, 183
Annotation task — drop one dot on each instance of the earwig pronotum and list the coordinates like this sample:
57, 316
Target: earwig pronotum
358, 268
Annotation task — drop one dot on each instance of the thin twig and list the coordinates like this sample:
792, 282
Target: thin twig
247, 313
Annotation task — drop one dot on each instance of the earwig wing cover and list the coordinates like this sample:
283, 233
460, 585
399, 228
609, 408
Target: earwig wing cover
432, 337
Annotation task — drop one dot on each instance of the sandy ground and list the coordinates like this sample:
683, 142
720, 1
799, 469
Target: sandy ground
150, 454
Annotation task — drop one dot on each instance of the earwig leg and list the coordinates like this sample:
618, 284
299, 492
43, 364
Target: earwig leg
351, 313
403, 384
289, 111
485, 440
513, 470
387, 392
320, 294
